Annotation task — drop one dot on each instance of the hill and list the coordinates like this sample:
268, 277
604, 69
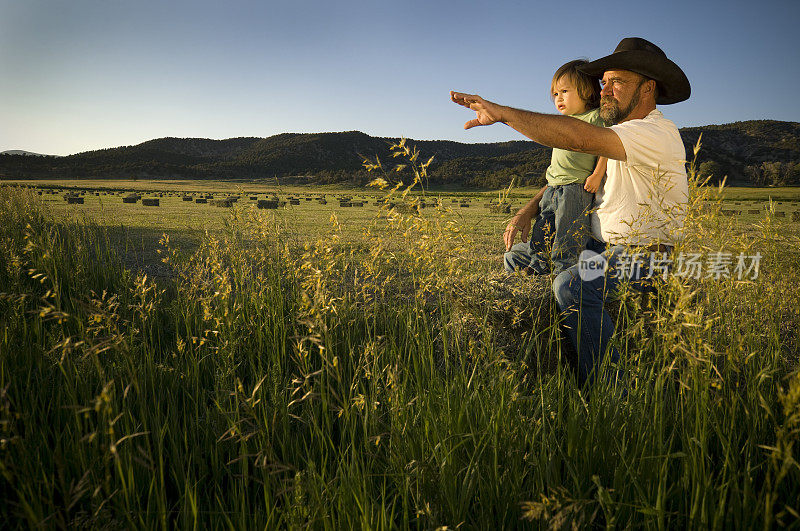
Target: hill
21, 152
760, 152
757, 152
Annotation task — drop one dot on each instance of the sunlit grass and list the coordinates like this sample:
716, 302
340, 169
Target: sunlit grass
368, 370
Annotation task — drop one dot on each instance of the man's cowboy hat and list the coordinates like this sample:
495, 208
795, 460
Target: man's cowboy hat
645, 58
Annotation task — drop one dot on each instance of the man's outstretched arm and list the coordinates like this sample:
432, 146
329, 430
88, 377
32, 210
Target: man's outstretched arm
551, 130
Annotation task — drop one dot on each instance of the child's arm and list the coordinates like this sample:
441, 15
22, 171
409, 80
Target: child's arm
593, 181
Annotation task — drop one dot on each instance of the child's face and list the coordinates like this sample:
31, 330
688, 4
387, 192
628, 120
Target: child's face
566, 97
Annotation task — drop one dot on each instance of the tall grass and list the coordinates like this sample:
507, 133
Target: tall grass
373, 382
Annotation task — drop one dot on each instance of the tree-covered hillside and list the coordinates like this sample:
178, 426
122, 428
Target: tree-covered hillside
757, 152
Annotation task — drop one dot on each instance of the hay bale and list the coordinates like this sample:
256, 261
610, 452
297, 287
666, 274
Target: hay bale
293, 201
266, 203
188, 198
780, 214
74, 199
253, 198
796, 216
755, 211
345, 204
132, 198
500, 208
201, 200
728, 212
150, 201
464, 205
222, 203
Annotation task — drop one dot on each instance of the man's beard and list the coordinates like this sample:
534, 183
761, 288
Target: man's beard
612, 113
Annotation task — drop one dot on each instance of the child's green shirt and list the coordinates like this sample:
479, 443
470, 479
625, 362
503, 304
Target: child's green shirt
567, 167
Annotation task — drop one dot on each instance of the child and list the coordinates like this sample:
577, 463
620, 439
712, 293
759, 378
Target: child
572, 179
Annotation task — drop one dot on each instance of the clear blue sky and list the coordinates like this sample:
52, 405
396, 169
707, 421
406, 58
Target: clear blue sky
78, 75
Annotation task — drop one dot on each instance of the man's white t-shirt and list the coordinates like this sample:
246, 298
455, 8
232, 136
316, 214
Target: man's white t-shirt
644, 199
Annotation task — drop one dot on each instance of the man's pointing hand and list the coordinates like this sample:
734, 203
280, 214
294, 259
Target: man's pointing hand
486, 112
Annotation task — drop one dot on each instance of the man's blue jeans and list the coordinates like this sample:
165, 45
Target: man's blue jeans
563, 220
582, 302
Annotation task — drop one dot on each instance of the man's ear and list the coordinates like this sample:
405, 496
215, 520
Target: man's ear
650, 87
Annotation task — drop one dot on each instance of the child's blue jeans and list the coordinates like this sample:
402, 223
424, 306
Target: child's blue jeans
562, 228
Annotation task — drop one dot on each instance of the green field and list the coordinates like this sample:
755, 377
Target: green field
342, 367
186, 222
138, 228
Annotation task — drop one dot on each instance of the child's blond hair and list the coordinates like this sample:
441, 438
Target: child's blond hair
587, 86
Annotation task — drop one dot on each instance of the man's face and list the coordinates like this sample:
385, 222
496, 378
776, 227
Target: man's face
620, 94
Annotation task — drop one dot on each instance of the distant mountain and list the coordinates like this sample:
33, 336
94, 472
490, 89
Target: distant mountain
755, 152
291, 157
21, 152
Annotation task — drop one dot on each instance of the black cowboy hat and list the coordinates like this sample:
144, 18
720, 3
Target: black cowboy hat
645, 58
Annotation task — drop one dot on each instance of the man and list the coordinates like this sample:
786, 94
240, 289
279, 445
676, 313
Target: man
642, 203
